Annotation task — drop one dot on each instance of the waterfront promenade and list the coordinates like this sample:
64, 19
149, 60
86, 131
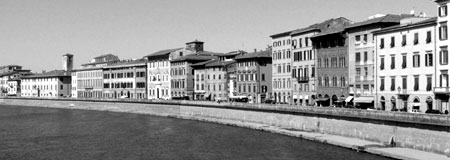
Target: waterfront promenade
320, 134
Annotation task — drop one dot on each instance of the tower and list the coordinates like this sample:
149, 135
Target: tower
195, 46
67, 62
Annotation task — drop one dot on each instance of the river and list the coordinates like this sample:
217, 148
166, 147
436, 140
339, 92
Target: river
45, 133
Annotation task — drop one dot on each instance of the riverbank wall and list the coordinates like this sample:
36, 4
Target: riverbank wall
430, 133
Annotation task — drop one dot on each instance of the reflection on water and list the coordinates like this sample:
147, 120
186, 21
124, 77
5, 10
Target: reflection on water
42, 133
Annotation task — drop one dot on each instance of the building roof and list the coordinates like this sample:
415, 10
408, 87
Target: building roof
425, 22
261, 54
162, 52
105, 55
199, 56
199, 64
54, 73
68, 54
105, 62
196, 41
13, 65
332, 26
127, 63
87, 69
217, 63
14, 72
281, 34
390, 18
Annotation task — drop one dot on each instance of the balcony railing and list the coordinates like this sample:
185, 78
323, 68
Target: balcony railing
442, 90
303, 79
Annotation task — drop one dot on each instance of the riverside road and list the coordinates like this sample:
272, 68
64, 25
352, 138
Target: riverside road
44, 133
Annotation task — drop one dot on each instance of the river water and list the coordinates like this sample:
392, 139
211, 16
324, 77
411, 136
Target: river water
43, 133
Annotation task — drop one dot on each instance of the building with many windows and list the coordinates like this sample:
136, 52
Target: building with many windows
331, 45
442, 87
405, 63
281, 63
158, 72
200, 84
304, 65
10, 81
51, 84
254, 76
125, 79
362, 56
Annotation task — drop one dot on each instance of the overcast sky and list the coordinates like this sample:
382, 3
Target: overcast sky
35, 33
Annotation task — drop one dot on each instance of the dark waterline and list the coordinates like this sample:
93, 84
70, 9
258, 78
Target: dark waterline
42, 133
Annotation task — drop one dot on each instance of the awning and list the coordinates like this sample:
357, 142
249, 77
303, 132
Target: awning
363, 100
306, 97
323, 99
416, 104
349, 99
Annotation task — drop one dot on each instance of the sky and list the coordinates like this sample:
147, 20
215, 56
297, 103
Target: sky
36, 33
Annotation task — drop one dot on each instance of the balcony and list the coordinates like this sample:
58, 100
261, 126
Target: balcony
302, 79
443, 90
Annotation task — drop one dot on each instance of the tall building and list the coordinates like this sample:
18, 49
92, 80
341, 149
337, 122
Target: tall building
201, 91
67, 62
331, 45
405, 63
304, 65
442, 87
254, 76
281, 72
362, 57
158, 72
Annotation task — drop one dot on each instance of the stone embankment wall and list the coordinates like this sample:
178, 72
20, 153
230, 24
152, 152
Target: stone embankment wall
428, 134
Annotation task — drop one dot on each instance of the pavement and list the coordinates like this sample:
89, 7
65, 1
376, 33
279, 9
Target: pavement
351, 143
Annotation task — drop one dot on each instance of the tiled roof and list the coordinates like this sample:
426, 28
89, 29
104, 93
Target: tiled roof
199, 56
55, 73
261, 54
281, 34
327, 27
390, 18
107, 62
217, 63
14, 72
196, 41
127, 63
105, 55
162, 52
428, 21
202, 63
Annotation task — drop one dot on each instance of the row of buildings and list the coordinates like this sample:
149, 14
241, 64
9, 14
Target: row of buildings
388, 62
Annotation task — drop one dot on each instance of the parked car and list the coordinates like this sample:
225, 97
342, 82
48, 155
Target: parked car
270, 101
432, 111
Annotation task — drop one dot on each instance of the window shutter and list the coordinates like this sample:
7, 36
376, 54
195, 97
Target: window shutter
418, 60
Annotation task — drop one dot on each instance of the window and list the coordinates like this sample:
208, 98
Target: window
443, 11
365, 56
428, 40
404, 61
382, 63
416, 83
429, 59
381, 43
404, 40
392, 62
365, 38
429, 83
443, 31
443, 56
366, 71
392, 83
263, 77
416, 38
392, 41
382, 84
443, 79
306, 41
300, 43
313, 71
357, 38
416, 60
404, 82
358, 71
358, 57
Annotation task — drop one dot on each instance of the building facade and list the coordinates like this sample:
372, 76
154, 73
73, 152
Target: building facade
125, 79
51, 84
442, 87
332, 63
362, 57
158, 72
254, 76
281, 72
405, 65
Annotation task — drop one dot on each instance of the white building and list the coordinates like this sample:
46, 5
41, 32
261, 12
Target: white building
49, 84
405, 65
442, 87
281, 62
